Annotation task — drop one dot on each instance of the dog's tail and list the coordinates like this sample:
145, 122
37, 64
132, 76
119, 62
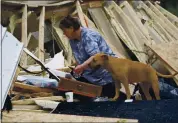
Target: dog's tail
166, 76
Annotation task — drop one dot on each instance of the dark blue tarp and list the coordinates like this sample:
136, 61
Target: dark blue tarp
162, 111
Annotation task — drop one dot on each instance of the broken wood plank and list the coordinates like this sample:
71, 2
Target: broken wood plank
26, 107
24, 35
156, 30
169, 15
16, 116
121, 32
30, 95
135, 38
95, 4
80, 14
106, 29
161, 16
28, 38
12, 24
32, 100
30, 88
41, 35
129, 11
154, 17
32, 111
167, 53
20, 19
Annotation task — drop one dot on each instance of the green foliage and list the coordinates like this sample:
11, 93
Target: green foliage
171, 6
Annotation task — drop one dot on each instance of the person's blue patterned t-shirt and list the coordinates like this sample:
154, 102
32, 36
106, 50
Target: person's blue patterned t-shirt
90, 44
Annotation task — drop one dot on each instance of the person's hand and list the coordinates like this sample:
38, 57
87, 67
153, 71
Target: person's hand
79, 69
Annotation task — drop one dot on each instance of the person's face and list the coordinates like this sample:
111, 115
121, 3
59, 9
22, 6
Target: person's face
69, 32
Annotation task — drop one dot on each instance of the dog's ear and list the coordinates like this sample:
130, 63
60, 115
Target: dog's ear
104, 57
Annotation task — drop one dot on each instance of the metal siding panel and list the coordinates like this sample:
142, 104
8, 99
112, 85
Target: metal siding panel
10, 53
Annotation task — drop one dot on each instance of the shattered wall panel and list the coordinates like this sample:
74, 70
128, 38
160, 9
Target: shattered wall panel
135, 38
10, 54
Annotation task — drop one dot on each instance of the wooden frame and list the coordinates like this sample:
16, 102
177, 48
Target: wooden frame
41, 35
24, 35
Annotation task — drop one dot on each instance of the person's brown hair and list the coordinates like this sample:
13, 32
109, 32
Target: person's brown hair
70, 21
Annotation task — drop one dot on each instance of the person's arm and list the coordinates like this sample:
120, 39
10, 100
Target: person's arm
85, 64
92, 48
80, 68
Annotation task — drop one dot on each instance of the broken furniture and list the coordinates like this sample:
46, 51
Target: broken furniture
65, 84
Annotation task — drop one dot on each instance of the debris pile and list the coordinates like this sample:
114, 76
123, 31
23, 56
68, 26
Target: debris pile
137, 30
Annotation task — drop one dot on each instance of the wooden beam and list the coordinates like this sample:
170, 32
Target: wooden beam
161, 16
80, 14
29, 37
32, 100
26, 107
169, 15
157, 19
41, 35
30, 95
33, 89
95, 4
24, 35
13, 23
20, 19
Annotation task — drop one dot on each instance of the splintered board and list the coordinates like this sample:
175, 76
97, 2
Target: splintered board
170, 34
130, 34
169, 15
157, 32
130, 12
168, 53
103, 24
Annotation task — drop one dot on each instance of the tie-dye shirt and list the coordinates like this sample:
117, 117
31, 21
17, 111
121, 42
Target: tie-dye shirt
90, 44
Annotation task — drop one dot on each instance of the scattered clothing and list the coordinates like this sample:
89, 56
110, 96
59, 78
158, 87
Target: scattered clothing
39, 81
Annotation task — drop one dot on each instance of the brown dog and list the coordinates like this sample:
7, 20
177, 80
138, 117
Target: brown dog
126, 72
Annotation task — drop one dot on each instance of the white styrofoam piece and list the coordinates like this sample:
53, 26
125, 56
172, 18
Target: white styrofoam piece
9, 59
47, 103
129, 100
57, 62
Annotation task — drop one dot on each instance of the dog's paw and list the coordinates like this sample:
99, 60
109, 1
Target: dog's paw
113, 99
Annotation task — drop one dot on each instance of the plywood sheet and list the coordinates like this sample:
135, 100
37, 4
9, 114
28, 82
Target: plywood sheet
154, 17
129, 11
154, 27
134, 36
168, 53
104, 25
